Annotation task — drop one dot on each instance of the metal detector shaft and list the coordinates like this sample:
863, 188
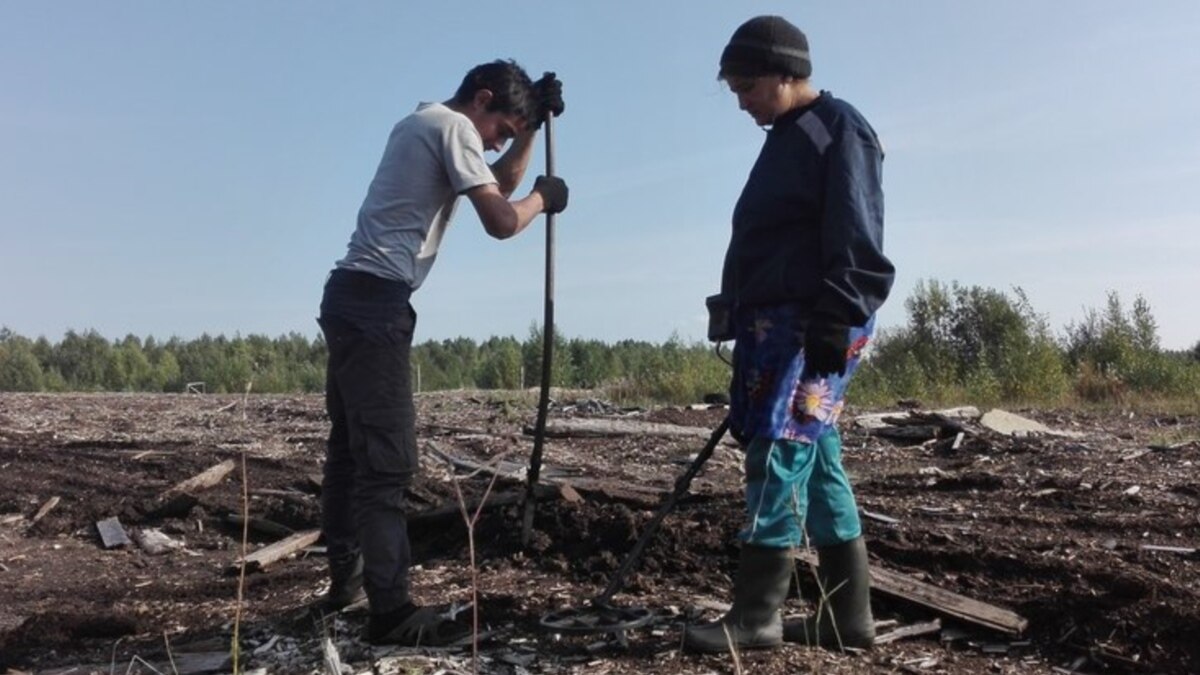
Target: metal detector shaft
682, 484
539, 436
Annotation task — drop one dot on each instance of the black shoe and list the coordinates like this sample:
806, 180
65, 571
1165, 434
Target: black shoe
415, 626
345, 588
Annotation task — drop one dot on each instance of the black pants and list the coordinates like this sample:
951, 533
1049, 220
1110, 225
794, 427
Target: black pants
371, 456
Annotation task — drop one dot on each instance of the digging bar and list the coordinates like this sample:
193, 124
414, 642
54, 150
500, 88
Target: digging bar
539, 437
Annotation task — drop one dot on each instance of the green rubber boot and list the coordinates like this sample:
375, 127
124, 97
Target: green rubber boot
758, 592
843, 618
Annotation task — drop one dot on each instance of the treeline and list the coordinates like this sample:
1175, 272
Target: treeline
958, 344
88, 362
293, 363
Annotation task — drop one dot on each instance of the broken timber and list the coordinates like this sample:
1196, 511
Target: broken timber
939, 599
46, 508
914, 630
272, 553
178, 499
583, 427
1183, 550
203, 480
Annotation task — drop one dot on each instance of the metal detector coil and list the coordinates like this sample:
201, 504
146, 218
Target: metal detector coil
596, 619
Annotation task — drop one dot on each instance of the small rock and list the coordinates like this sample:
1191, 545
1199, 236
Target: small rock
154, 542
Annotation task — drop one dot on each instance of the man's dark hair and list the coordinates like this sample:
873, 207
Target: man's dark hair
512, 90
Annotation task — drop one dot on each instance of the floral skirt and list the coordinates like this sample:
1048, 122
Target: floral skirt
768, 397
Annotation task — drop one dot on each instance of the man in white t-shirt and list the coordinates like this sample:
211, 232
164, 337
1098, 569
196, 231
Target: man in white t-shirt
432, 157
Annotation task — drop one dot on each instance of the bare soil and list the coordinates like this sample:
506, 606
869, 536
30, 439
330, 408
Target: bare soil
1051, 528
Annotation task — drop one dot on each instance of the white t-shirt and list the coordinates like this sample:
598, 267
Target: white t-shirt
432, 156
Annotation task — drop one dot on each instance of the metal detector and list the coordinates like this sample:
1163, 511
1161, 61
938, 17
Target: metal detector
600, 615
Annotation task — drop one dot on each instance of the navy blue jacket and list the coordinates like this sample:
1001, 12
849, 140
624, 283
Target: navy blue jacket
808, 228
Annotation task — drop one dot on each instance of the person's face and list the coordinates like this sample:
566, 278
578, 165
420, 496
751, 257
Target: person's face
764, 97
495, 128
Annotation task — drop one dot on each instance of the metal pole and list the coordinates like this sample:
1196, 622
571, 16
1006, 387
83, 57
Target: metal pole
682, 484
535, 459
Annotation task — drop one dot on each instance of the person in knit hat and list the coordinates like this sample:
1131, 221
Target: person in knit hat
803, 277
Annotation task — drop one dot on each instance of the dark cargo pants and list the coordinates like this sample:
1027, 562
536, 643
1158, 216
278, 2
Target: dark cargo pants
371, 455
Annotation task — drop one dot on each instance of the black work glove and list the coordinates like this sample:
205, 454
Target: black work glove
554, 193
548, 91
825, 347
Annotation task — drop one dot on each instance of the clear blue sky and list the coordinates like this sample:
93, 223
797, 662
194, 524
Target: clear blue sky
174, 168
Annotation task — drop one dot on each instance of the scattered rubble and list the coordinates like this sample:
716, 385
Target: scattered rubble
1000, 542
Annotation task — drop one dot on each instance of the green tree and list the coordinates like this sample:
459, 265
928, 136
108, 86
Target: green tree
500, 364
531, 356
592, 362
19, 366
167, 374
83, 360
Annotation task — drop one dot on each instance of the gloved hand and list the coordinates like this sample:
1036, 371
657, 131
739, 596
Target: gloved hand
549, 96
554, 193
825, 347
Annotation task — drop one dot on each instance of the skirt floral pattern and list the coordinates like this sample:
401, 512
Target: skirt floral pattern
769, 398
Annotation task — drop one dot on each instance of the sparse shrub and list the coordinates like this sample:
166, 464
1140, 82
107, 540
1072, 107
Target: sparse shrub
969, 342
1096, 386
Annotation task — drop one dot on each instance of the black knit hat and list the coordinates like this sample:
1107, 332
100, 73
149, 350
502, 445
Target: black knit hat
766, 45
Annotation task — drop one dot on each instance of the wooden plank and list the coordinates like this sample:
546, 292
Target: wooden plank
569, 494
201, 481
46, 508
286, 494
958, 439
588, 427
914, 630
272, 553
177, 500
1168, 549
879, 517
112, 534
331, 660
939, 599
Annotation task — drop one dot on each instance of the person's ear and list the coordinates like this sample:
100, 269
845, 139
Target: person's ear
483, 98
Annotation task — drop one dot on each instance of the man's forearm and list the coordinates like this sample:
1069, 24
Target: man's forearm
509, 169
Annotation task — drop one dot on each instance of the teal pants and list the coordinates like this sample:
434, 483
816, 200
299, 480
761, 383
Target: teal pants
798, 492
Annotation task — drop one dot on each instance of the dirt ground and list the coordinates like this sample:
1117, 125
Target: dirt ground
1053, 528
